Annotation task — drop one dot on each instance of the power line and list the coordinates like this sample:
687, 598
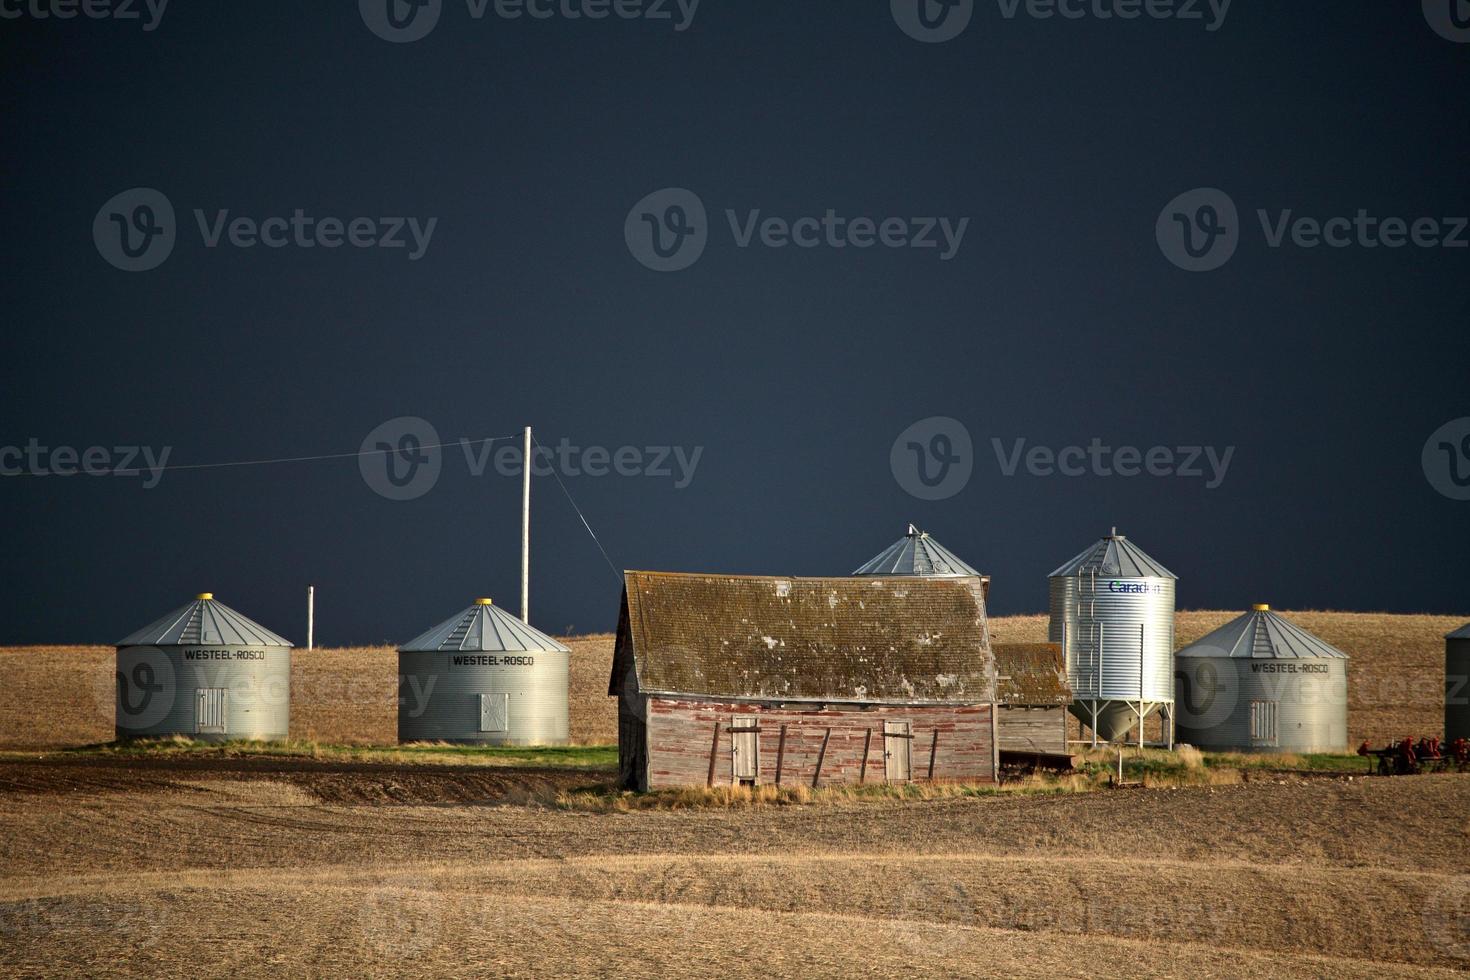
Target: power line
616, 574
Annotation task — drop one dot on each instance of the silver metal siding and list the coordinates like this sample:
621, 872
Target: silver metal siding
1105, 628
156, 690
1456, 688
439, 699
1213, 710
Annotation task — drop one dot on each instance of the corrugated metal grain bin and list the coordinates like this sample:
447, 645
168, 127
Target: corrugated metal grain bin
1457, 684
207, 672
1112, 611
483, 676
1262, 684
916, 553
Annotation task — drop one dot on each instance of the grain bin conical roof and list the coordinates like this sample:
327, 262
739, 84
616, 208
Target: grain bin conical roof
1463, 633
1262, 635
1114, 556
204, 622
917, 554
483, 627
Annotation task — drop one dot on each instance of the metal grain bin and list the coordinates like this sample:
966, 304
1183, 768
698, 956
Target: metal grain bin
207, 672
916, 553
1457, 684
1262, 684
1112, 611
483, 676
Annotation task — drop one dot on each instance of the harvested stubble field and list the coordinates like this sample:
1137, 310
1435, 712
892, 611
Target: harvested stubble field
186, 864
64, 695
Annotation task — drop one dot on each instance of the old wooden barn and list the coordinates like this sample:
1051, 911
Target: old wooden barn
754, 680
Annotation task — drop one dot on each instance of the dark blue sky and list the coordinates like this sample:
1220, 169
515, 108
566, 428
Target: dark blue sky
1059, 320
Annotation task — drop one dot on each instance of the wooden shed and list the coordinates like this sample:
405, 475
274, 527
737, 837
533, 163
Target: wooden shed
1033, 694
753, 680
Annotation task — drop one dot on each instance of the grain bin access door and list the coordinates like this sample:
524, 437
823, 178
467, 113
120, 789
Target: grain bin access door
745, 751
209, 710
898, 737
494, 712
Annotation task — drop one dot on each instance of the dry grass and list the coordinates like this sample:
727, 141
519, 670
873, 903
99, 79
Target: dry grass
64, 695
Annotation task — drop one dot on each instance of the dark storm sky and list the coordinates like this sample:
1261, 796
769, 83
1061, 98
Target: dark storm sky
1058, 321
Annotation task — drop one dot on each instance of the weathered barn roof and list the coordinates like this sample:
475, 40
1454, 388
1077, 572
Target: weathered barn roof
1262, 634
916, 553
1114, 555
482, 627
1463, 633
845, 640
1031, 674
204, 622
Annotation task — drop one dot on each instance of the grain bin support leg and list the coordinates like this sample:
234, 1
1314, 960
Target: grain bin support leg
714, 749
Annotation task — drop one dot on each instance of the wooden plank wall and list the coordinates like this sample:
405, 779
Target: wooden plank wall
1033, 729
681, 734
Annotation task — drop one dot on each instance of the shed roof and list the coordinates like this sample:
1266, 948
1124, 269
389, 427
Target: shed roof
482, 627
768, 638
916, 553
1031, 674
204, 622
1262, 634
1114, 555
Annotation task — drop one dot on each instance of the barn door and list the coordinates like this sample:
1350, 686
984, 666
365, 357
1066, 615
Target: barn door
745, 751
494, 712
898, 739
209, 710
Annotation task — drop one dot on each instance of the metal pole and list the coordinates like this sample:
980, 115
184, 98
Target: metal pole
310, 614
526, 531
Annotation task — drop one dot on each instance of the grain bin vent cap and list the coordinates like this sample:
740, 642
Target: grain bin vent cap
204, 622
917, 554
1114, 556
485, 628
1262, 634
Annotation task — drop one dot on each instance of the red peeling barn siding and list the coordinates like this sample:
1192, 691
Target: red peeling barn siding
680, 735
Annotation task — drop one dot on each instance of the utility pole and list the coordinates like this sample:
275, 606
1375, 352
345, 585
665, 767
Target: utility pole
310, 614
526, 531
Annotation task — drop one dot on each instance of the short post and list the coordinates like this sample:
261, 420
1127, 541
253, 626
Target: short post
310, 615
821, 754
867, 744
714, 749
780, 754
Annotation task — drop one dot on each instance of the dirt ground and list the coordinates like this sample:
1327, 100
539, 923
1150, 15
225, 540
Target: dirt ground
196, 867
64, 695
